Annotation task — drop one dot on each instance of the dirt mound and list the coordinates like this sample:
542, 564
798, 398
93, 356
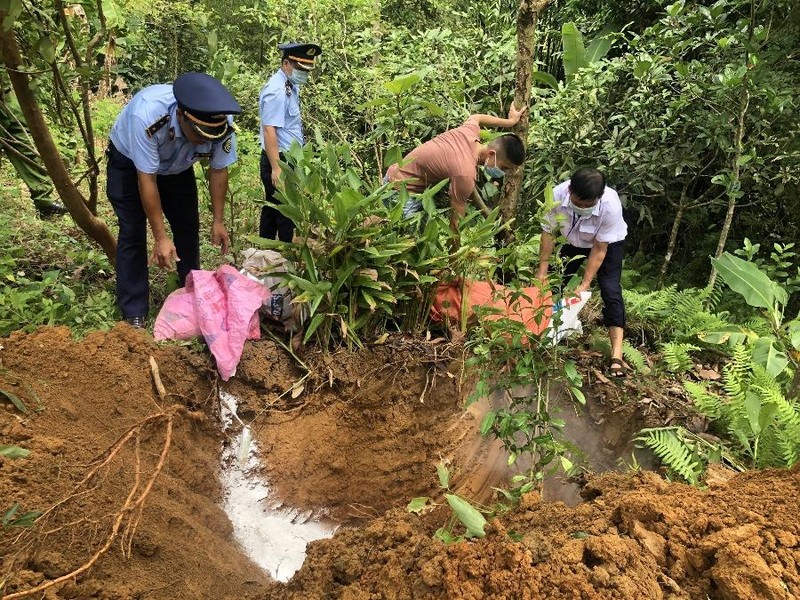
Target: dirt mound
81, 398
360, 434
638, 537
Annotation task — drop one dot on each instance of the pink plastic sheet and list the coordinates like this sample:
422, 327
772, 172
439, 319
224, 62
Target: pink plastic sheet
221, 306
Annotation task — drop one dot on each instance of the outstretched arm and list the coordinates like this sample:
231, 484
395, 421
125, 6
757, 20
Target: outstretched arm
514, 115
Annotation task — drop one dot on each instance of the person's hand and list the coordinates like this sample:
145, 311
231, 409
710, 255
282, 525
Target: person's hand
276, 177
164, 253
583, 287
219, 236
514, 113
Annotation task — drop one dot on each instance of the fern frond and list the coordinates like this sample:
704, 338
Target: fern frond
634, 356
670, 447
677, 357
737, 374
707, 403
786, 424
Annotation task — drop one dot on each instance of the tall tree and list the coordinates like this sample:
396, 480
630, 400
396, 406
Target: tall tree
527, 18
72, 197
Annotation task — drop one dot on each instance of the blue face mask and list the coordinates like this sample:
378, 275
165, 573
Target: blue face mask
581, 212
494, 172
298, 77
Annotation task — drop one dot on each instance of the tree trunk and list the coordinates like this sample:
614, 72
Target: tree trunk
735, 185
69, 193
673, 236
527, 18
733, 192
673, 240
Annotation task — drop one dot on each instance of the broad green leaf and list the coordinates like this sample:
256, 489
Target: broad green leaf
752, 404
13, 451
400, 85
566, 463
13, 10
599, 47
794, 334
571, 371
545, 78
444, 475
766, 354
487, 422
445, 536
578, 394
469, 516
733, 337
417, 504
315, 322
748, 280
641, 68
14, 400
574, 52
45, 47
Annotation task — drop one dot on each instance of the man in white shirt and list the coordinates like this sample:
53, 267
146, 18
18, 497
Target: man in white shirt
589, 215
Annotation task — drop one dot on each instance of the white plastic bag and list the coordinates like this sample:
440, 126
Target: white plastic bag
566, 311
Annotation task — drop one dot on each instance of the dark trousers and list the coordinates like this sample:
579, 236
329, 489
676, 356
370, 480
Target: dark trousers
609, 278
17, 147
180, 206
272, 221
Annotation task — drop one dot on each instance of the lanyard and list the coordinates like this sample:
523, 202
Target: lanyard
575, 220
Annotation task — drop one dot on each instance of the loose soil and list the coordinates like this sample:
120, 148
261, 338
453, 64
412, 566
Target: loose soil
355, 438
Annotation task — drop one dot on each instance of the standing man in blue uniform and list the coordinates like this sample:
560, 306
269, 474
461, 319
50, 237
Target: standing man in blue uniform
279, 109
153, 146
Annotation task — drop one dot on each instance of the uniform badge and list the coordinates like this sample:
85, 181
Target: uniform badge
151, 131
227, 145
288, 88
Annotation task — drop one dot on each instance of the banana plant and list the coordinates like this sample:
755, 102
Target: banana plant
576, 56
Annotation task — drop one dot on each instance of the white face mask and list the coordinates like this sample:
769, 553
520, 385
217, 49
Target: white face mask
298, 77
581, 212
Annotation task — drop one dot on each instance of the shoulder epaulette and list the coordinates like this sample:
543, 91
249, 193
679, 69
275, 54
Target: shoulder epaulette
157, 125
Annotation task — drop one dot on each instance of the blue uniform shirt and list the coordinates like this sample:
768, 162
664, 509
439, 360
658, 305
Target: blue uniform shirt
167, 151
280, 111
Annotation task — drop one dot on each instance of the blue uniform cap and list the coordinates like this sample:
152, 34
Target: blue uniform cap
300, 53
206, 104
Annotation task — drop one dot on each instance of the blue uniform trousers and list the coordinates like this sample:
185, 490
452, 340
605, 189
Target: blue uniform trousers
272, 221
180, 206
608, 278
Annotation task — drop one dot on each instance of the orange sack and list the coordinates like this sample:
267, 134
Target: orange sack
534, 312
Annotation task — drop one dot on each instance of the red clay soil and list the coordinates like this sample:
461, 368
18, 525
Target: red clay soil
363, 437
638, 537
367, 432
81, 398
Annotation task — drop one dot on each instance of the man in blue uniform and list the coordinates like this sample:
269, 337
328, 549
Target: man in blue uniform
153, 146
279, 109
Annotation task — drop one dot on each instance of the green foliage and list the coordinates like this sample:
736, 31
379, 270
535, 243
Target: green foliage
671, 447
13, 451
677, 356
517, 371
63, 283
634, 356
360, 263
651, 117
11, 518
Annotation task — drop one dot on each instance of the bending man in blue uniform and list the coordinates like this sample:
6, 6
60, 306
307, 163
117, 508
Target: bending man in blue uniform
153, 146
279, 109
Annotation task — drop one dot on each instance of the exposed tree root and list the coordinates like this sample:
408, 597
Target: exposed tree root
126, 519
